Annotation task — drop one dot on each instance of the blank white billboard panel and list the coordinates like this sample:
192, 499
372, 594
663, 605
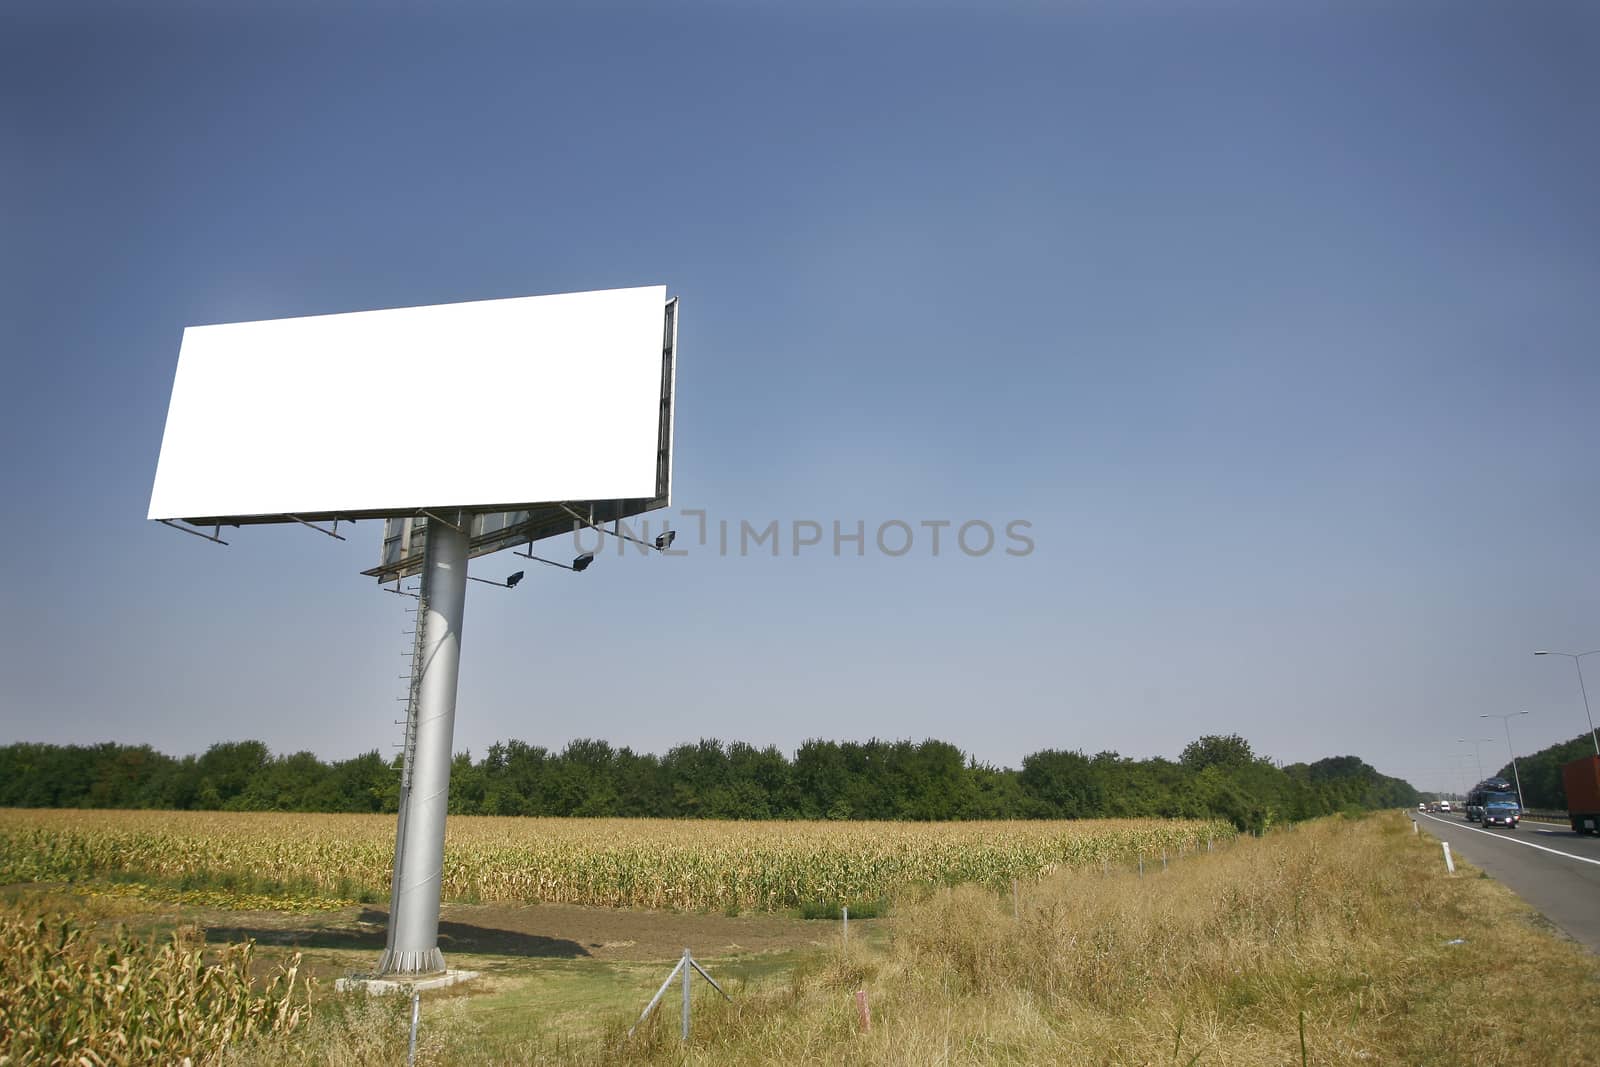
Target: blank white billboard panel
495, 402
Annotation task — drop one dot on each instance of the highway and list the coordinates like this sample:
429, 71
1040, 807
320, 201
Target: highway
1546, 864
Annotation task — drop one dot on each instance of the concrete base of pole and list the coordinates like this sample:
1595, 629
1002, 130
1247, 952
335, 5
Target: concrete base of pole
425, 961
377, 986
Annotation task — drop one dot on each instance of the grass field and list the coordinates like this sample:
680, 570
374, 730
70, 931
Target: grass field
1341, 941
257, 859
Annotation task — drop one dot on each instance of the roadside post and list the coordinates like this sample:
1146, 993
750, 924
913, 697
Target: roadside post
1449, 864
683, 966
416, 1008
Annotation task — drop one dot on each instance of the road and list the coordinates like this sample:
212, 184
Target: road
1560, 877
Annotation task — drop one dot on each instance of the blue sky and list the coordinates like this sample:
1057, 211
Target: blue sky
1277, 323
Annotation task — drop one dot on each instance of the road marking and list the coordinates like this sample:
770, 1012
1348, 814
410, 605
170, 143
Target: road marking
1514, 841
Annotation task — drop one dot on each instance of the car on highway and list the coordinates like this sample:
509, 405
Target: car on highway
1500, 809
1493, 793
1444, 805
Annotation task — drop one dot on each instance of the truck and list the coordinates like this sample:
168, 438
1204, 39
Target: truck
1499, 809
1493, 803
1582, 780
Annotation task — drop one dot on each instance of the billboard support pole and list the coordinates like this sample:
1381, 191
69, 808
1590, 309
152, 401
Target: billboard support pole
413, 938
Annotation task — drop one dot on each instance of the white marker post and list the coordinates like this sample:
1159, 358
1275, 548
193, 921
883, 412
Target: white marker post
1449, 864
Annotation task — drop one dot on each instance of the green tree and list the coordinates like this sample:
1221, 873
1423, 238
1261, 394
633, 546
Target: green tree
1217, 750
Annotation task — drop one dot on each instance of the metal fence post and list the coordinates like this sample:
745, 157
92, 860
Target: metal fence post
845, 912
416, 1007
686, 968
1016, 900
1141, 865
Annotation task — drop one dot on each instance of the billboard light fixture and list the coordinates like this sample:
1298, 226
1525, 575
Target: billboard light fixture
579, 563
509, 583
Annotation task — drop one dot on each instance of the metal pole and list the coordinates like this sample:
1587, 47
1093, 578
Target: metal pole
1505, 720
1577, 661
650, 1007
687, 959
845, 913
414, 912
416, 1001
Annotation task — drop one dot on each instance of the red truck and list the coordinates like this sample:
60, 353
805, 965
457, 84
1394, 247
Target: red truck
1582, 780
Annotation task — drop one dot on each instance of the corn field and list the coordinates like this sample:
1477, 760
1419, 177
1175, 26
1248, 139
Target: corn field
67, 997
304, 859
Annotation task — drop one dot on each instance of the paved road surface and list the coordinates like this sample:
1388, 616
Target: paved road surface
1561, 877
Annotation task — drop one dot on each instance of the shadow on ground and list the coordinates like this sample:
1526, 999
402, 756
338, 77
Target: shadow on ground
367, 933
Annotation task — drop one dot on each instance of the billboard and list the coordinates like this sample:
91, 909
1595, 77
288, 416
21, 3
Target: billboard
506, 406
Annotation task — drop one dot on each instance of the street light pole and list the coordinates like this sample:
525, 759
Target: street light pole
1477, 754
1577, 661
1505, 720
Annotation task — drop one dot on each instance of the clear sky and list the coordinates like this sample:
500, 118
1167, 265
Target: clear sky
1277, 322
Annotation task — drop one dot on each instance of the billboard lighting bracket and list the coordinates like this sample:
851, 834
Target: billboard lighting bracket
214, 535
580, 564
509, 583
331, 533
661, 544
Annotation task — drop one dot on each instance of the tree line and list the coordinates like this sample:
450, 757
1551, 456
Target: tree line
1216, 777
1541, 772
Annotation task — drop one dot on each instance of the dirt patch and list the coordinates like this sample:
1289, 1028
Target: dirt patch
541, 931
513, 931
612, 934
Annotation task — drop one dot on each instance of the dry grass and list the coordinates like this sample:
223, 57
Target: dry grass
68, 996
1335, 933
